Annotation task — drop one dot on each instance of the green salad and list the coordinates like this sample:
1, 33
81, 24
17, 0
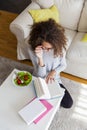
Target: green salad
23, 78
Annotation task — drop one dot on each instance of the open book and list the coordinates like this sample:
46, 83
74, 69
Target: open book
47, 91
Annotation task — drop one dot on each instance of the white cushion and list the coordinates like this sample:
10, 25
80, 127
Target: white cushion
76, 68
44, 3
22, 51
69, 11
83, 20
78, 49
28, 17
24, 20
70, 34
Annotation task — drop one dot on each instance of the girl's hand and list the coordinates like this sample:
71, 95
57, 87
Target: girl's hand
39, 54
39, 51
50, 76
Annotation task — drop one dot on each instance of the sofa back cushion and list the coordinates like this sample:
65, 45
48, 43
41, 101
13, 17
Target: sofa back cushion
44, 3
83, 20
69, 11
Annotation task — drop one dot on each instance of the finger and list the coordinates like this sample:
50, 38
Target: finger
49, 79
38, 50
38, 47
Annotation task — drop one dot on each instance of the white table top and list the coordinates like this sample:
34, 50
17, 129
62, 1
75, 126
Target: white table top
12, 99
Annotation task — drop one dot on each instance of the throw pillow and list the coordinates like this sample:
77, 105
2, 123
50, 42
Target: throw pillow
45, 14
84, 39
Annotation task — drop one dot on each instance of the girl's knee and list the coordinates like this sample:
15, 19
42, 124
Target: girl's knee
67, 104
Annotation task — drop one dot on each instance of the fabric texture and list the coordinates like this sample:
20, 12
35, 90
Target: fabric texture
78, 51
83, 19
84, 39
44, 3
45, 14
74, 118
69, 11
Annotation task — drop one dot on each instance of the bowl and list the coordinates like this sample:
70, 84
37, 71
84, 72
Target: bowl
22, 78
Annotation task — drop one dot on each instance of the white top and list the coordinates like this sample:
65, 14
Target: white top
12, 99
51, 63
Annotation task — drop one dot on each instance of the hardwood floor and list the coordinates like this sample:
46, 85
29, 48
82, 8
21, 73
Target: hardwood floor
7, 39
8, 43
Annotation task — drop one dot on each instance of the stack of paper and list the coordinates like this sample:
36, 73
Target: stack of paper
31, 111
48, 108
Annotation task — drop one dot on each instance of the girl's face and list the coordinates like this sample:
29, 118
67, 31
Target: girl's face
46, 46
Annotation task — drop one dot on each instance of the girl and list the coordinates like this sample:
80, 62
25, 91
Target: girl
47, 49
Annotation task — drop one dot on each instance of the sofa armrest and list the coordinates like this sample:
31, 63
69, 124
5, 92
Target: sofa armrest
20, 26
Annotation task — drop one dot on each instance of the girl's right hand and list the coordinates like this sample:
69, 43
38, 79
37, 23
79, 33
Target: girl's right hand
39, 51
50, 76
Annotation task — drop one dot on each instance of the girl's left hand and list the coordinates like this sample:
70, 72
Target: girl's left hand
50, 76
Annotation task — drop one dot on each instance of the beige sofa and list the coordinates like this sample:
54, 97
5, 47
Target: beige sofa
73, 17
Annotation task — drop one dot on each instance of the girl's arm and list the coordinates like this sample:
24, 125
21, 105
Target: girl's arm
39, 54
39, 67
58, 66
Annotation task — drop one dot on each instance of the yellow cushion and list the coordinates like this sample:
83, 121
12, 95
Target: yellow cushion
45, 14
84, 39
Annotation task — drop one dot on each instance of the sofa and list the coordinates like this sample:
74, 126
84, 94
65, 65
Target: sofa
73, 17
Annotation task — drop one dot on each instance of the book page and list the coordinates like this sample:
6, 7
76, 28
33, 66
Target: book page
48, 91
39, 90
45, 88
55, 89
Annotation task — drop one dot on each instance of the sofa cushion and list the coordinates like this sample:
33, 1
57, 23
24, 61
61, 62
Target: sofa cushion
83, 20
78, 50
44, 3
23, 22
44, 14
70, 34
84, 39
76, 68
69, 11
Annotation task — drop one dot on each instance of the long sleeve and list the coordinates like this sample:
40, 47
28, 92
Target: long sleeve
51, 63
62, 65
41, 71
38, 70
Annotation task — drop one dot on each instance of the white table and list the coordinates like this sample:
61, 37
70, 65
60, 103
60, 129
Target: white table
12, 99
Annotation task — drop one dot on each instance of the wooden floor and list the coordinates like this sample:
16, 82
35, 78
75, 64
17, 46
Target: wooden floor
8, 42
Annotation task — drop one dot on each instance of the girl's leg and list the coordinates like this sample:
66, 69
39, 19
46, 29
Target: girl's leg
67, 101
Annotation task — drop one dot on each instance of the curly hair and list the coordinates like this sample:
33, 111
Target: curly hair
48, 31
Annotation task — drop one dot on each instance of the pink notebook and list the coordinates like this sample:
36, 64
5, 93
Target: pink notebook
48, 106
